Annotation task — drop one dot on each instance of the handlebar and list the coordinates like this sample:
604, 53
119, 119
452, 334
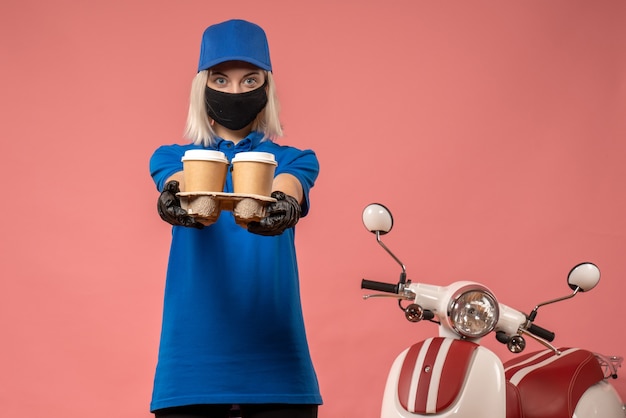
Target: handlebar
395, 289
379, 286
541, 332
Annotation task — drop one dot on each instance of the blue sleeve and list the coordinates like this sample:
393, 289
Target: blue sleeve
301, 164
165, 162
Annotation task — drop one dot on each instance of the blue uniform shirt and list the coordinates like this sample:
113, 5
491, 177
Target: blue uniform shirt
233, 330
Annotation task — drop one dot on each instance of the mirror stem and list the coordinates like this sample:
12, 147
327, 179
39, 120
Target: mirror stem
403, 274
533, 314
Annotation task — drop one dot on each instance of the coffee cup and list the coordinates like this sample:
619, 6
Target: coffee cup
204, 170
253, 173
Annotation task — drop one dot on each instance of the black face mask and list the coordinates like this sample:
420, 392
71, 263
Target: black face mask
235, 110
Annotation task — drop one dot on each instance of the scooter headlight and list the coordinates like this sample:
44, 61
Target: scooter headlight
473, 312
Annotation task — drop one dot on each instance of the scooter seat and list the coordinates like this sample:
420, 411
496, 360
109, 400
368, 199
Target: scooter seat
546, 385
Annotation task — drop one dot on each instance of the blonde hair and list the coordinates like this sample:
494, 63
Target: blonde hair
199, 129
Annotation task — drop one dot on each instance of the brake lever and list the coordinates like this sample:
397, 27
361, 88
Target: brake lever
386, 295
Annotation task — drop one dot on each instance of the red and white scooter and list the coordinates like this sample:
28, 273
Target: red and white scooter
452, 375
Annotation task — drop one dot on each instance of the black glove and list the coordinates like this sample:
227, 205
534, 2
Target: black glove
280, 215
170, 210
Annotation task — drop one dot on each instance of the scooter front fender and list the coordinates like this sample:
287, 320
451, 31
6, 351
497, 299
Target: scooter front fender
445, 377
600, 401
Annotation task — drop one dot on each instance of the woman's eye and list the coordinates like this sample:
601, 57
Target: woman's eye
250, 81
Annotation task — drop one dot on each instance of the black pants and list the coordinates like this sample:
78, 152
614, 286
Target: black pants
243, 411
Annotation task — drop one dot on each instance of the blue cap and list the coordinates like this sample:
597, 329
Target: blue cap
234, 40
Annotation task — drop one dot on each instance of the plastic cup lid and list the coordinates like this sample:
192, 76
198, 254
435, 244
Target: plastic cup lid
204, 155
255, 156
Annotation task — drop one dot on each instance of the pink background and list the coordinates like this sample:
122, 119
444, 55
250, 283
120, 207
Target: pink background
495, 131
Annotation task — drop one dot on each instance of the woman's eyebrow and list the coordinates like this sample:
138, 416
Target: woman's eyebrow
254, 72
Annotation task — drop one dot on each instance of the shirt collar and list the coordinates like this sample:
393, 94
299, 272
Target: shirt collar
251, 141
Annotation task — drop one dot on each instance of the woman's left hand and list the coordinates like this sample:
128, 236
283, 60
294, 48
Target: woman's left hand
280, 215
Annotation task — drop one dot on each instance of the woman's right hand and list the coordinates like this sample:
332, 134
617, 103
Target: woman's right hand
169, 208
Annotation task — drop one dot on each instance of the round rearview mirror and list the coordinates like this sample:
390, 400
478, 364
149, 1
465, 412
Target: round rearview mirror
377, 218
584, 276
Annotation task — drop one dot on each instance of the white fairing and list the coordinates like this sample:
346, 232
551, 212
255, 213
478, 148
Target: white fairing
483, 394
600, 401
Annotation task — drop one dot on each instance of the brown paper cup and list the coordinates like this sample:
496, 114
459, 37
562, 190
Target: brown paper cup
253, 173
204, 170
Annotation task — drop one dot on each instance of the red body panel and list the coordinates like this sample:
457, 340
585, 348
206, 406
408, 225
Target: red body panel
452, 376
